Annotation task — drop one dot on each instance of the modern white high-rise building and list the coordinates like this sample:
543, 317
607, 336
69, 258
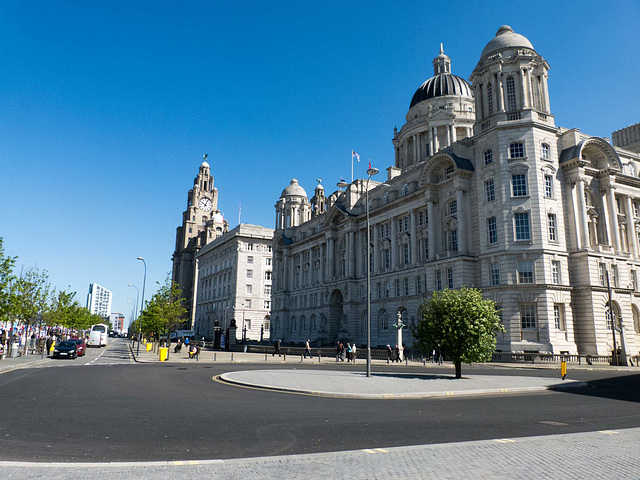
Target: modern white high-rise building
99, 300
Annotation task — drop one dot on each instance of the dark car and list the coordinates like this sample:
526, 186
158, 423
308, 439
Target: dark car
82, 347
67, 348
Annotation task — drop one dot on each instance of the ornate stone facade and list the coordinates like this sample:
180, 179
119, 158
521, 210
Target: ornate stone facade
485, 191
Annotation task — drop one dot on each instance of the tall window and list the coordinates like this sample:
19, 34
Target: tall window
249, 289
614, 275
267, 275
548, 186
511, 95
489, 190
405, 253
634, 280
247, 303
405, 189
523, 230
450, 277
528, 315
488, 157
453, 208
418, 285
545, 152
397, 282
516, 150
492, 230
602, 274
519, 184
384, 321
438, 280
525, 272
494, 273
387, 258
426, 248
405, 284
553, 231
490, 98
556, 272
267, 290
558, 316
249, 273
453, 240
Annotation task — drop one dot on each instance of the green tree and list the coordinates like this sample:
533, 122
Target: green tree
30, 295
7, 282
460, 323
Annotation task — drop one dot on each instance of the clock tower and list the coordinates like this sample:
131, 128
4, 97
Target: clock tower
201, 224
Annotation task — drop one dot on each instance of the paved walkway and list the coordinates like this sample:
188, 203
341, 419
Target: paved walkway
607, 454
23, 361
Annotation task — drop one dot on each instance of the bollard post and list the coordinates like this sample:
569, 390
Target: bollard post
424, 361
214, 356
406, 361
319, 357
387, 360
301, 358
232, 356
563, 368
285, 357
265, 357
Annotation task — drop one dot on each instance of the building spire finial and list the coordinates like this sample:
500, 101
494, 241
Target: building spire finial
441, 49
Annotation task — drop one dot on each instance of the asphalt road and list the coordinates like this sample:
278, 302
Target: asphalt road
110, 409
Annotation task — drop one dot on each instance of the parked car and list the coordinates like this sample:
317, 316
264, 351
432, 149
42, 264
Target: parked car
67, 349
82, 347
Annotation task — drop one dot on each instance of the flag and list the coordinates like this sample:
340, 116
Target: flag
369, 164
354, 154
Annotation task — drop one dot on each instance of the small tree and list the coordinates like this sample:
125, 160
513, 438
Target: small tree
461, 323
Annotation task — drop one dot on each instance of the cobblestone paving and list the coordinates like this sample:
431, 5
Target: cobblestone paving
605, 454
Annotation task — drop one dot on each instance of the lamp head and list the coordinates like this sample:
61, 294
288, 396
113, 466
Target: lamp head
140, 258
373, 171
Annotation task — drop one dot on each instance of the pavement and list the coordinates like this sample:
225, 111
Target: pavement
23, 361
611, 454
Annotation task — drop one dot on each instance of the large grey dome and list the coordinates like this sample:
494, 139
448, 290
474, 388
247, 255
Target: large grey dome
506, 38
441, 85
293, 190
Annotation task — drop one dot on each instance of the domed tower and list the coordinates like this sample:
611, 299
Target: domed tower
293, 207
441, 112
510, 82
319, 201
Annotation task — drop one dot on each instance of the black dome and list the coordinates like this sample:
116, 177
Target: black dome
441, 85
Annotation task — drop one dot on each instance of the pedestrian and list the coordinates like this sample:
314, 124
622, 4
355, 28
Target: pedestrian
178, 346
348, 352
337, 351
389, 354
186, 342
397, 352
353, 353
277, 349
433, 356
342, 351
307, 349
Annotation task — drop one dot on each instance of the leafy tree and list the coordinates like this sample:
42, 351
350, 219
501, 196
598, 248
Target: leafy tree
460, 323
30, 292
7, 281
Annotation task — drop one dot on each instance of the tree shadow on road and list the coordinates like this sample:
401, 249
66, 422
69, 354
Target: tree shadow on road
625, 388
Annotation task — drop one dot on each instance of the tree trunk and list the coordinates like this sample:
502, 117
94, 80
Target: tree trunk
458, 364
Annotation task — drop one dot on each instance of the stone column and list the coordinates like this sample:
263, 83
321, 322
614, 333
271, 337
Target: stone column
462, 228
605, 218
359, 253
545, 94
631, 230
499, 92
322, 250
351, 255
415, 148
574, 207
285, 270
374, 251
412, 229
432, 229
453, 133
503, 89
448, 135
523, 94
330, 262
584, 219
613, 210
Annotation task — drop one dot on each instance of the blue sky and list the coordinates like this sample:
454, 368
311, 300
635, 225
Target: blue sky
107, 107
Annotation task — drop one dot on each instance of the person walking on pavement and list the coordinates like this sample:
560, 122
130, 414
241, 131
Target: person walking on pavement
337, 351
348, 352
307, 349
277, 349
389, 354
49, 343
397, 352
353, 353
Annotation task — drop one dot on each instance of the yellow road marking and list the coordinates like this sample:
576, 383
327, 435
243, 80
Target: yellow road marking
504, 440
608, 432
382, 450
368, 451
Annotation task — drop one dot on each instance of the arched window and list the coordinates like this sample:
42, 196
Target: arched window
294, 324
303, 323
636, 318
314, 326
616, 317
490, 98
384, 320
363, 323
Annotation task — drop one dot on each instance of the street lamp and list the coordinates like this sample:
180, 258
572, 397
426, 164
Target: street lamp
370, 172
144, 282
614, 358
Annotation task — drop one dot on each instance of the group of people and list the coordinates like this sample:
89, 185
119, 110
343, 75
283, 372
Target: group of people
12, 341
393, 355
192, 348
350, 352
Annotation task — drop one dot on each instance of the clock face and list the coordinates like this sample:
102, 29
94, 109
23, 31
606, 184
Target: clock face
205, 204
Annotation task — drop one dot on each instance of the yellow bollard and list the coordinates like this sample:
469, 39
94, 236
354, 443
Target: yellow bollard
563, 369
164, 353
149, 346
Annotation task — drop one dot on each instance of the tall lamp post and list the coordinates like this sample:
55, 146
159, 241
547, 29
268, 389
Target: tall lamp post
612, 318
144, 282
135, 316
370, 172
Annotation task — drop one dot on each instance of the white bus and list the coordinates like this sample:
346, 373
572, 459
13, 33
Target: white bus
98, 335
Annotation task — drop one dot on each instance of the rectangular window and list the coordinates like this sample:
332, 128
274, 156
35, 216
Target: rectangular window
249, 273
426, 248
528, 315
249, 259
602, 274
397, 282
492, 230
489, 191
619, 206
379, 290
548, 186
494, 274
450, 277
525, 272
418, 285
553, 233
634, 280
519, 184
523, 230
249, 289
516, 150
488, 157
438, 280
267, 290
556, 272
267, 275
406, 286
453, 235
405, 254
387, 259
614, 275
387, 289
267, 262
558, 316
247, 303
267, 304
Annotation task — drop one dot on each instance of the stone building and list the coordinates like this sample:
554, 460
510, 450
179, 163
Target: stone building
202, 223
234, 283
485, 191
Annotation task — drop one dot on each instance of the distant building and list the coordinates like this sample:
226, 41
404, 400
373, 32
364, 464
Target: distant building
234, 283
485, 191
117, 322
99, 300
201, 224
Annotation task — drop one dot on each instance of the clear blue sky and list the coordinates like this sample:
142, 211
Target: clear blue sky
107, 107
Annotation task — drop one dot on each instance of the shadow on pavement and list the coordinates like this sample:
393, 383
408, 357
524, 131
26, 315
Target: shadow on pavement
625, 388
416, 376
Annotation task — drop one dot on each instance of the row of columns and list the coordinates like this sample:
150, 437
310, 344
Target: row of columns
610, 218
417, 151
